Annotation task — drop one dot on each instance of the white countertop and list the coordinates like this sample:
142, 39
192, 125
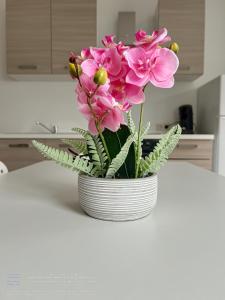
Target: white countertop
51, 250
74, 135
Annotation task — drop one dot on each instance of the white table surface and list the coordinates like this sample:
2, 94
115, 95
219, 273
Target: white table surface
51, 250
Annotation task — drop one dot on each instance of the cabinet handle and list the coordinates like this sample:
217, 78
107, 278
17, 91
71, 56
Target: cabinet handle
19, 145
184, 68
27, 67
187, 146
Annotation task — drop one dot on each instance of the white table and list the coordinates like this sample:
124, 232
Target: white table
50, 250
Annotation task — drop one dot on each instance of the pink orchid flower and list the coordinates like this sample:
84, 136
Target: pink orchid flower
108, 41
129, 69
86, 53
112, 120
108, 58
98, 105
126, 93
157, 66
158, 37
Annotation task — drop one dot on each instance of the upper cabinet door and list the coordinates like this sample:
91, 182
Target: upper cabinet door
73, 28
28, 36
185, 21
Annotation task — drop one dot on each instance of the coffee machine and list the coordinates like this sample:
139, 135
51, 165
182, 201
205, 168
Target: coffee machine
186, 119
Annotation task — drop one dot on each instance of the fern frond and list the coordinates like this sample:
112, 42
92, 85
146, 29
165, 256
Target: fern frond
80, 131
79, 146
95, 149
120, 158
153, 162
130, 123
138, 145
144, 130
67, 160
95, 153
101, 153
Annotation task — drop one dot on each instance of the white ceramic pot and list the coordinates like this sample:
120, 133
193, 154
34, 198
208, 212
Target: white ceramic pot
117, 199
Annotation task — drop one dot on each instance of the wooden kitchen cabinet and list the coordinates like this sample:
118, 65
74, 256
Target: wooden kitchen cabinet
185, 21
19, 153
197, 152
28, 36
73, 28
41, 34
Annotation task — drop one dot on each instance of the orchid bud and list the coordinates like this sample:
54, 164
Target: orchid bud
101, 76
174, 47
73, 71
72, 58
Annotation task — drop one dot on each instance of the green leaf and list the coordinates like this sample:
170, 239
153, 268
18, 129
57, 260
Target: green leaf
78, 145
144, 130
130, 123
158, 157
119, 160
101, 153
67, 160
80, 131
95, 149
115, 142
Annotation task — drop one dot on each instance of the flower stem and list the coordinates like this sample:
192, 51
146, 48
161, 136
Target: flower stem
138, 143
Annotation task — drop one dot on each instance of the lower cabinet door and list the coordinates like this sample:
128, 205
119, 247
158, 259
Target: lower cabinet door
20, 153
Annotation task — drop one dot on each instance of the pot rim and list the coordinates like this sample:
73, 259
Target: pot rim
153, 176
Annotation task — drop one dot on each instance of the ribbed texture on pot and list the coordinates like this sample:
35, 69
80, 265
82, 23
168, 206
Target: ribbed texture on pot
117, 199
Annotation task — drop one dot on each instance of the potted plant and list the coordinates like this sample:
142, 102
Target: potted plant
115, 182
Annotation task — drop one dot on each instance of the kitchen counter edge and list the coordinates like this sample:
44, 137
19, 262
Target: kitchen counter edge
73, 135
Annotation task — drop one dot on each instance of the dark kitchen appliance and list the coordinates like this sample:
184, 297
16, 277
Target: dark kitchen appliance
148, 146
186, 119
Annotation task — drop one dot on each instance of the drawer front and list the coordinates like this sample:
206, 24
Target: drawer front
19, 153
23, 144
192, 149
19, 144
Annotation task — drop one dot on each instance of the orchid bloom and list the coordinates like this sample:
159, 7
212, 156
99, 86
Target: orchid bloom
109, 58
127, 71
158, 37
125, 93
108, 41
98, 105
157, 66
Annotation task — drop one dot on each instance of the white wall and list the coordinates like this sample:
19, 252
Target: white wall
21, 103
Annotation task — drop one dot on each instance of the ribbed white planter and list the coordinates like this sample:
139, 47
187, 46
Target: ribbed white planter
117, 199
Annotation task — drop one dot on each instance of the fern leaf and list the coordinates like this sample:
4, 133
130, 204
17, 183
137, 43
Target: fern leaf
118, 161
101, 153
138, 145
96, 152
153, 162
95, 149
130, 123
145, 130
79, 146
67, 160
80, 131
